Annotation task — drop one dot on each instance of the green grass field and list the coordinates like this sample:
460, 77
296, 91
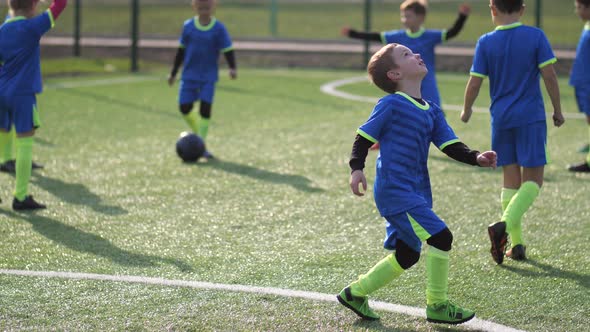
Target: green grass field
274, 210
319, 20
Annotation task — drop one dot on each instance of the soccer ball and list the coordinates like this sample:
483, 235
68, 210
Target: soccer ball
190, 147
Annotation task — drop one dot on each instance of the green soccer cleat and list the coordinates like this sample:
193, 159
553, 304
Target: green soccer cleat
358, 304
584, 148
448, 313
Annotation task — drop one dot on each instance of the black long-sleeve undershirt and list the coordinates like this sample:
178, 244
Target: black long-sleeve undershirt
457, 151
229, 57
452, 32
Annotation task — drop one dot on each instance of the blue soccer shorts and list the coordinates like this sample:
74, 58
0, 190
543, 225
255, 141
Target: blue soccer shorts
412, 227
583, 98
192, 91
525, 146
20, 111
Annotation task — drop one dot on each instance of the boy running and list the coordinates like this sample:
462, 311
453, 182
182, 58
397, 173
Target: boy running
580, 77
203, 38
513, 56
20, 81
406, 125
418, 39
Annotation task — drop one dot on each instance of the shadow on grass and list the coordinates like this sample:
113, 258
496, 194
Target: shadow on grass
141, 107
75, 193
296, 181
85, 242
366, 325
549, 271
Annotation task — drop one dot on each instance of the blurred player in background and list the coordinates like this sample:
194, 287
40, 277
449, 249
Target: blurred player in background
20, 81
203, 38
405, 124
580, 77
513, 56
418, 39
7, 160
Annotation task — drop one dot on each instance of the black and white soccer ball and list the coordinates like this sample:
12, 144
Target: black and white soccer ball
190, 147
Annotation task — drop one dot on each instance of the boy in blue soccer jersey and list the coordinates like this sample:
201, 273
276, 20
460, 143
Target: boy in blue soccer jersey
406, 125
513, 56
203, 38
7, 160
418, 39
580, 77
20, 81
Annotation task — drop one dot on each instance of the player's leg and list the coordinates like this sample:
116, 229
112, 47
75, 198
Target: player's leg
582, 94
439, 308
532, 155
6, 145
503, 142
584, 166
206, 95
406, 243
188, 94
26, 120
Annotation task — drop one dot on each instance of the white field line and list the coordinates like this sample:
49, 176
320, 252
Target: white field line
101, 82
476, 324
331, 88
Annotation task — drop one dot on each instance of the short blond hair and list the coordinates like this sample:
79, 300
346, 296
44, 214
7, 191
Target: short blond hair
417, 6
380, 64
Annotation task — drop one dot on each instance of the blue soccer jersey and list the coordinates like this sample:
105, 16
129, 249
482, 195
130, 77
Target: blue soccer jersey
20, 55
422, 42
512, 56
581, 69
203, 44
404, 129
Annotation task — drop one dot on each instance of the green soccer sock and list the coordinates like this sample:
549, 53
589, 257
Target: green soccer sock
6, 139
506, 197
203, 128
437, 269
192, 121
380, 275
517, 207
24, 157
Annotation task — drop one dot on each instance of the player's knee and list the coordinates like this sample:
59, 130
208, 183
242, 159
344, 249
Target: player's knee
205, 110
186, 108
406, 257
442, 240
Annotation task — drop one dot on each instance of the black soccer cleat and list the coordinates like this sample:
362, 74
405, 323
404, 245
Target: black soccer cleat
581, 167
498, 237
208, 155
518, 253
10, 166
27, 204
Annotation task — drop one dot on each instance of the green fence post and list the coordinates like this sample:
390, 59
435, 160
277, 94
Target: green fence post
134, 34
538, 11
367, 29
77, 28
273, 18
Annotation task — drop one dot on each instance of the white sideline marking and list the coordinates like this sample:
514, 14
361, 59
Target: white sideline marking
475, 323
331, 88
100, 82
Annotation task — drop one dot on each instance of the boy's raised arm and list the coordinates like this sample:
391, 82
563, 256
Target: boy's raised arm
351, 33
454, 30
56, 7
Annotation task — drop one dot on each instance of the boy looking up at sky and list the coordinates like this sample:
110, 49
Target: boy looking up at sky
513, 56
20, 81
203, 38
405, 125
